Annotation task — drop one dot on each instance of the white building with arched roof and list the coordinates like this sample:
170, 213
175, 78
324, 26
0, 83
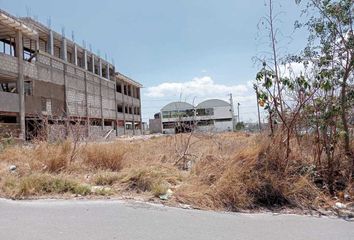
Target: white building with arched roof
177, 115
212, 115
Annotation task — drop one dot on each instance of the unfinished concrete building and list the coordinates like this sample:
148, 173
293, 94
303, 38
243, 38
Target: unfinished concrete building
46, 77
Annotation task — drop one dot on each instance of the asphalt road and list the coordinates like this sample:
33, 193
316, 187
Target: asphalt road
79, 219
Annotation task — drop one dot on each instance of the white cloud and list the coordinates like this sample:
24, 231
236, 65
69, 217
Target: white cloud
292, 70
200, 87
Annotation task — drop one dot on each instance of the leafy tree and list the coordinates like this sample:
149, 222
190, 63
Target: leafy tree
320, 99
331, 48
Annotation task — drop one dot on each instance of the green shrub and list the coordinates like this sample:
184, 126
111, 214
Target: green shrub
38, 184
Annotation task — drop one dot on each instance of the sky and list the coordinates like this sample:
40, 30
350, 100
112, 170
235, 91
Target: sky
188, 50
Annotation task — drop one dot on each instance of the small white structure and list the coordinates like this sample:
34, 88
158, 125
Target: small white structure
212, 115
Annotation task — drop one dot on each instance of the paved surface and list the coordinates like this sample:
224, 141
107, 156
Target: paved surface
77, 219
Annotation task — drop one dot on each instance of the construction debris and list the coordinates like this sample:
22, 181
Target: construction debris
12, 168
167, 195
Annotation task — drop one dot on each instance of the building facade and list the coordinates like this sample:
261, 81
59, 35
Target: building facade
212, 115
44, 75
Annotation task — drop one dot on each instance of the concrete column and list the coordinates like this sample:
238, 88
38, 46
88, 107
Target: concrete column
141, 118
133, 110
101, 100
37, 44
20, 84
93, 63
66, 107
123, 98
87, 105
107, 71
115, 104
51, 43
100, 67
64, 56
85, 59
75, 54
64, 52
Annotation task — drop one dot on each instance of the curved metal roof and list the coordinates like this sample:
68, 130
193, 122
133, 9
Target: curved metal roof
174, 106
213, 103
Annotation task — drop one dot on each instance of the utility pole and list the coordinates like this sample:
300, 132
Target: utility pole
259, 116
232, 112
238, 112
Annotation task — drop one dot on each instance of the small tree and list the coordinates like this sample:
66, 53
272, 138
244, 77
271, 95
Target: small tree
331, 43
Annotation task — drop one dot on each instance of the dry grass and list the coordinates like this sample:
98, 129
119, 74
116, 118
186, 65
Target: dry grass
42, 184
254, 176
155, 179
53, 158
105, 156
229, 171
43, 157
106, 178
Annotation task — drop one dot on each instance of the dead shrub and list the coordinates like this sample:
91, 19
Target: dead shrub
155, 179
8, 184
43, 157
105, 156
52, 157
256, 176
106, 178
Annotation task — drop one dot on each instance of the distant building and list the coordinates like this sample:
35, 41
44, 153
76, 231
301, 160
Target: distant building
215, 115
212, 115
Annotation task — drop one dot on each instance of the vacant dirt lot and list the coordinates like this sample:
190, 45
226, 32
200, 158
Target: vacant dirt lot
231, 171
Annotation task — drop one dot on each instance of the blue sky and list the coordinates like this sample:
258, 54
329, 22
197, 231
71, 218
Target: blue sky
196, 49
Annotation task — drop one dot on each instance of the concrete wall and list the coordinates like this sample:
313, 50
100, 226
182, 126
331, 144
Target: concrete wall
108, 99
100, 91
9, 102
93, 96
120, 131
8, 64
30, 70
208, 128
155, 125
222, 112
223, 126
46, 90
97, 132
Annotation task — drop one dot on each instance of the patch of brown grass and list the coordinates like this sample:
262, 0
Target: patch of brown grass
106, 178
105, 156
230, 171
43, 156
154, 179
256, 175
52, 157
